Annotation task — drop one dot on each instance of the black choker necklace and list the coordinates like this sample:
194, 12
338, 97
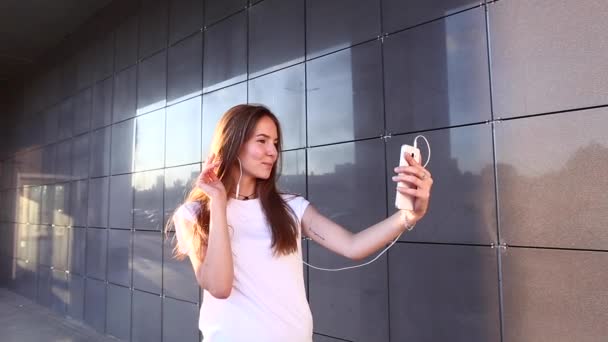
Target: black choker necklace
248, 197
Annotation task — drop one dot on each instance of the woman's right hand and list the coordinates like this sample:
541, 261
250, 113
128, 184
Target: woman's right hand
208, 181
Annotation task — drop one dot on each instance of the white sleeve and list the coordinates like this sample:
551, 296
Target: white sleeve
183, 219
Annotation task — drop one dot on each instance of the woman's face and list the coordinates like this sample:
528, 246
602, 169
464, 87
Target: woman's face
259, 153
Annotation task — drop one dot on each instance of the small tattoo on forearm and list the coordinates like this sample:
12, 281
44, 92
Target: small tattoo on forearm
317, 234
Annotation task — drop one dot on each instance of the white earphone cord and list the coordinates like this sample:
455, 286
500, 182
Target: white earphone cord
394, 241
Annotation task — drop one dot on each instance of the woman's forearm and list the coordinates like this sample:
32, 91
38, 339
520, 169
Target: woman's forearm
372, 239
217, 271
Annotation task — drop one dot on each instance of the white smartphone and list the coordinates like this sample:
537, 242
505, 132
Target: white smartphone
403, 201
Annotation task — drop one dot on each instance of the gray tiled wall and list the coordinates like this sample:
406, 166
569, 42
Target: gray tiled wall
511, 94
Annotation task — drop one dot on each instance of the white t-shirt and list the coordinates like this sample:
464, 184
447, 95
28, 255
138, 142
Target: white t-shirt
268, 299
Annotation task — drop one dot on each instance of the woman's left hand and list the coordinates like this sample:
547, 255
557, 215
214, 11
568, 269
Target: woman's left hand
420, 178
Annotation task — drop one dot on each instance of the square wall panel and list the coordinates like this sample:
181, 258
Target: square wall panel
216, 10
351, 305
77, 239
96, 251
98, 202
287, 31
445, 82
147, 323
118, 312
531, 72
183, 132
185, 69
125, 92
180, 321
357, 23
149, 141
554, 295
122, 147
119, 257
283, 92
185, 18
59, 291
179, 280
80, 156
178, 183
225, 53
79, 192
462, 207
399, 14
451, 287
66, 115
121, 202
153, 26
99, 159
101, 114
103, 58
214, 106
293, 173
82, 111
59, 248
95, 309
152, 83
76, 287
126, 43
344, 99
147, 261
538, 160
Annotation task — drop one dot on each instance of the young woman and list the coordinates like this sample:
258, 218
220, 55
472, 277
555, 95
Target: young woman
243, 236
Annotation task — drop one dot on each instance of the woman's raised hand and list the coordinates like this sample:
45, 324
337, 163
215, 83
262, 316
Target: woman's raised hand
208, 181
422, 181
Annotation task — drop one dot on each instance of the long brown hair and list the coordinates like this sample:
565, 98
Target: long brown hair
235, 128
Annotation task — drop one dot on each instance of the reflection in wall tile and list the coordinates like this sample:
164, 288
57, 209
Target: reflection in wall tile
147, 261
119, 257
445, 83
149, 141
121, 202
183, 132
148, 200
284, 94
178, 183
463, 198
123, 147
344, 99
